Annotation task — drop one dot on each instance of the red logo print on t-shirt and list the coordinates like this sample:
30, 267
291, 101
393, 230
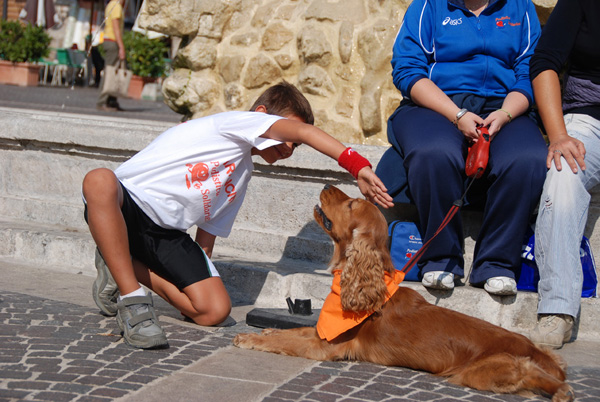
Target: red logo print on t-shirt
198, 173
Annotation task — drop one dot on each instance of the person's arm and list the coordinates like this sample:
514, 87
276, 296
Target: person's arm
530, 35
426, 94
546, 87
551, 54
515, 104
206, 241
413, 48
287, 130
116, 25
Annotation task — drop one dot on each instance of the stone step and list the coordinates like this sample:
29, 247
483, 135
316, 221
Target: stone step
263, 280
71, 247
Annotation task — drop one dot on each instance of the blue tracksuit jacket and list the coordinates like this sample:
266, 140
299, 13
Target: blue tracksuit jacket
461, 53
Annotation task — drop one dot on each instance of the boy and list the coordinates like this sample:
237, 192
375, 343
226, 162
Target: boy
195, 173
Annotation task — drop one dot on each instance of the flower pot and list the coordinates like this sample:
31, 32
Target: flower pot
136, 85
22, 74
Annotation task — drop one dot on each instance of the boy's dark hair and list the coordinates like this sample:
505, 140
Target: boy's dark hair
285, 99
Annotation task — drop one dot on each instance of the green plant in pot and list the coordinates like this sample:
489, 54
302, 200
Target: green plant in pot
20, 47
20, 43
145, 56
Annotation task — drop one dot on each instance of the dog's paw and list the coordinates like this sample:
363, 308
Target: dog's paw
239, 339
244, 341
564, 394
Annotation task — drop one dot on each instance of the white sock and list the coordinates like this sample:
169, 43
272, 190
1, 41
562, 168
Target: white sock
139, 292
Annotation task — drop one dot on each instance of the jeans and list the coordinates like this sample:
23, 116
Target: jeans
561, 221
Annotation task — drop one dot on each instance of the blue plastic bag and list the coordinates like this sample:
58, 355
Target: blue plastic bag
530, 276
405, 241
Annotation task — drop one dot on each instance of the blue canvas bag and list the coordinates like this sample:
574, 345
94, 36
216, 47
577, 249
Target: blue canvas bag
405, 241
530, 276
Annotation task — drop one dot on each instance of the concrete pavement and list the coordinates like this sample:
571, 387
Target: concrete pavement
81, 100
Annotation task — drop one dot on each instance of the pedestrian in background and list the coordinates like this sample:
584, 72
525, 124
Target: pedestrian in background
114, 49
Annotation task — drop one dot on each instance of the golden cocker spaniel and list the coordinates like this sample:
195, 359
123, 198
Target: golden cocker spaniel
406, 330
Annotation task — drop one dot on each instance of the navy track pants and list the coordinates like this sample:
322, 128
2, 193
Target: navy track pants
434, 157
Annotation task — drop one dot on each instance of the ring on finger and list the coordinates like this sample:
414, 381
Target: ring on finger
557, 151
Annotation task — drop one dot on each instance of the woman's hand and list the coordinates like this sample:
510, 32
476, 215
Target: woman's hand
569, 148
468, 125
495, 121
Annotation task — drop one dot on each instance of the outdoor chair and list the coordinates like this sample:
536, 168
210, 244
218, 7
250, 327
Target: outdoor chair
68, 61
61, 67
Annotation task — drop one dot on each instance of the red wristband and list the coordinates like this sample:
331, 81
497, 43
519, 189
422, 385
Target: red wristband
352, 161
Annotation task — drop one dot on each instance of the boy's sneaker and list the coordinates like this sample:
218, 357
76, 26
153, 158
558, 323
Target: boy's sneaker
438, 280
137, 320
105, 290
552, 330
501, 286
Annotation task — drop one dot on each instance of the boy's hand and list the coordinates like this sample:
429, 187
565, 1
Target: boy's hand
373, 189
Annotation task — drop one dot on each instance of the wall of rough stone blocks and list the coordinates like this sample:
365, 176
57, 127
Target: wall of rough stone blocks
337, 52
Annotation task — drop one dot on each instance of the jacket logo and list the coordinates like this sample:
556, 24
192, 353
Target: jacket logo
450, 21
505, 21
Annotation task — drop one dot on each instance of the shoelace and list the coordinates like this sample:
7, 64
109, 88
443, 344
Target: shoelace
547, 321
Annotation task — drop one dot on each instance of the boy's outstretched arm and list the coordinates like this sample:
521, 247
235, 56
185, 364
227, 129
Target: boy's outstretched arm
290, 130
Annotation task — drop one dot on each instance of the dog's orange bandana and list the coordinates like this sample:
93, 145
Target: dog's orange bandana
334, 321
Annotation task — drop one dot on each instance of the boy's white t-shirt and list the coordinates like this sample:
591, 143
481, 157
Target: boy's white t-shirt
197, 172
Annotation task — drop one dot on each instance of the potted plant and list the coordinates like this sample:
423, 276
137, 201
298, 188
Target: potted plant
20, 47
145, 58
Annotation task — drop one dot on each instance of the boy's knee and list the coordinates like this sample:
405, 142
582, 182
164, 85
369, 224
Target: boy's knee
99, 181
216, 315
220, 315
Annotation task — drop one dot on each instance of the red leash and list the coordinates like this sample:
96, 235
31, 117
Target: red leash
475, 165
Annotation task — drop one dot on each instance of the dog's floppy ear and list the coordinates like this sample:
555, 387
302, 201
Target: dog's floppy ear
362, 282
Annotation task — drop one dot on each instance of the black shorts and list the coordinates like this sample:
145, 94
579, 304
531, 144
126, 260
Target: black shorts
172, 254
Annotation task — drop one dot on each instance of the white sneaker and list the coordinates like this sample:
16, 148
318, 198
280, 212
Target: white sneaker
438, 280
501, 285
552, 330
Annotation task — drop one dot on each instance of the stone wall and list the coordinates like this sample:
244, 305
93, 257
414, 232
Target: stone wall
337, 52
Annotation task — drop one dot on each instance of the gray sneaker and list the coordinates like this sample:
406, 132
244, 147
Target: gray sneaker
552, 330
137, 320
105, 290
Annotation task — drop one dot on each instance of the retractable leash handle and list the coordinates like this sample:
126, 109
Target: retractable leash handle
475, 165
478, 155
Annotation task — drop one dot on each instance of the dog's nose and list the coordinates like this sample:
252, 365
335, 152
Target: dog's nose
326, 186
